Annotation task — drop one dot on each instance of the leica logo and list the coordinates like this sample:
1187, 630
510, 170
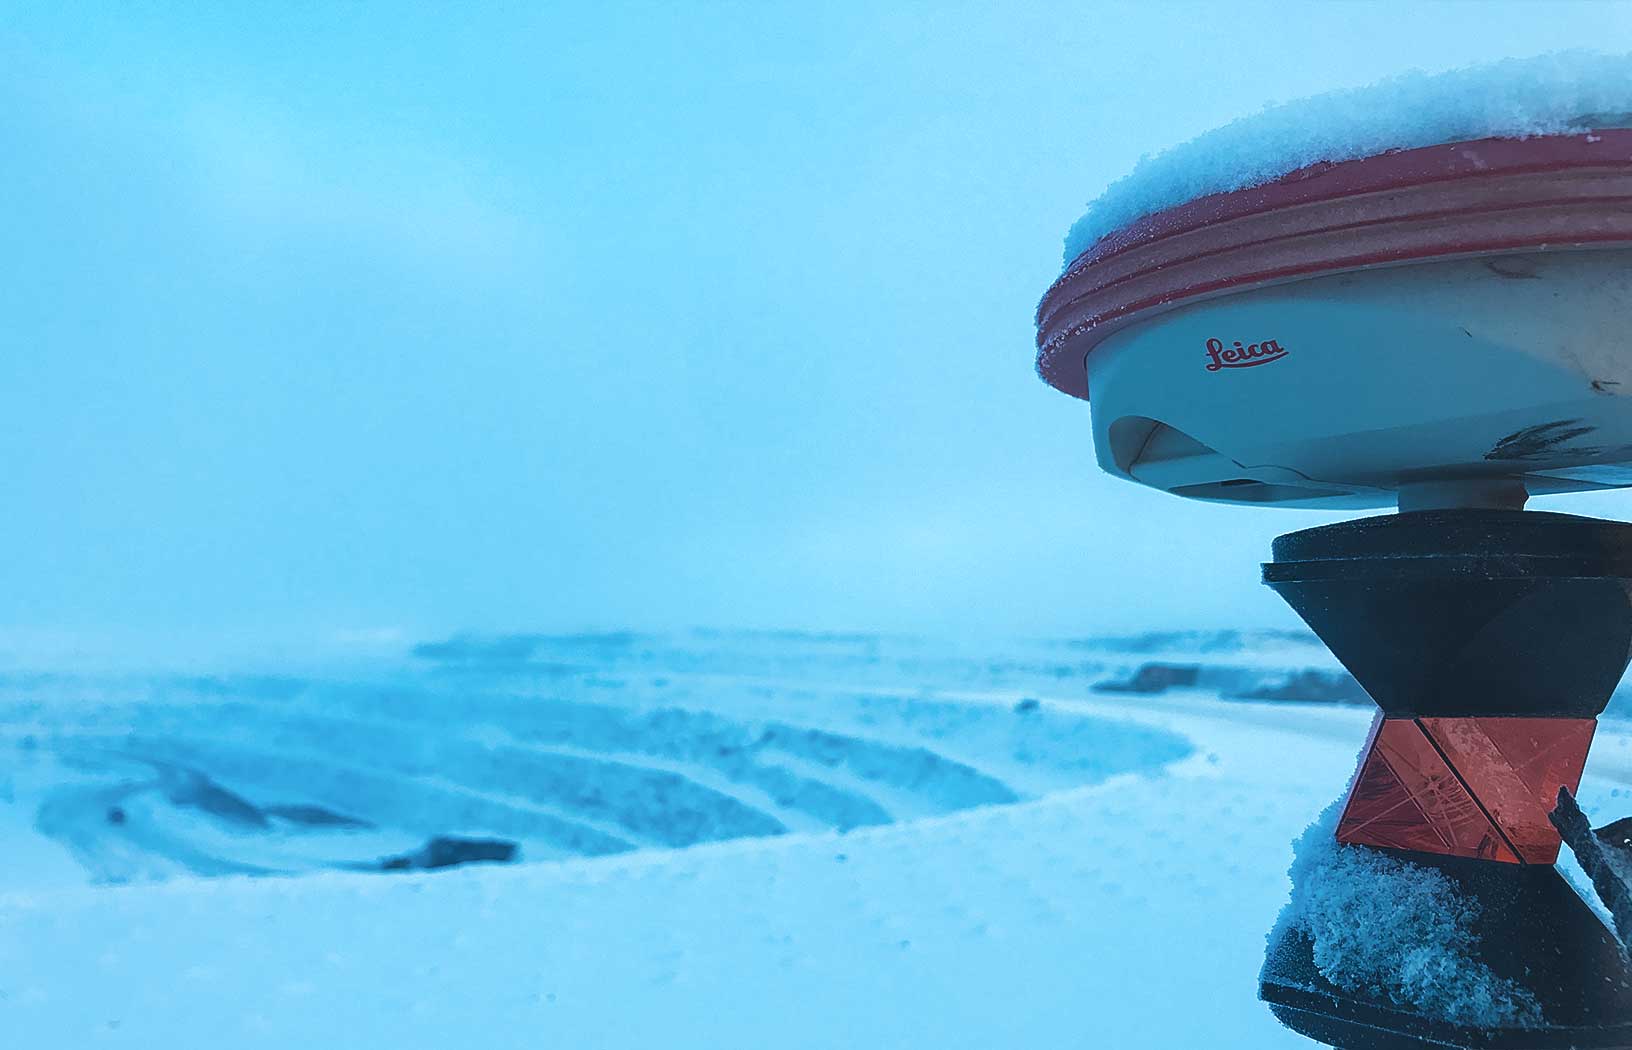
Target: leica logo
1238, 356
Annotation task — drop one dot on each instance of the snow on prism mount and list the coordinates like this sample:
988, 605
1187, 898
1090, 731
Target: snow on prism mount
1440, 329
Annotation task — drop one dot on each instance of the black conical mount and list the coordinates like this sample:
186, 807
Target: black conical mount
1468, 612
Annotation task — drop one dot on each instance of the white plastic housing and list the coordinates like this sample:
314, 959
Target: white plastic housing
1410, 377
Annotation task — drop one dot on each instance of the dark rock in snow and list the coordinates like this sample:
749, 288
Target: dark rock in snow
445, 851
1301, 685
1154, 678
185, 787
316, 816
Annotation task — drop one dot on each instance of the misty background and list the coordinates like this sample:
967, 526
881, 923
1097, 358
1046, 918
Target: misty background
348, 325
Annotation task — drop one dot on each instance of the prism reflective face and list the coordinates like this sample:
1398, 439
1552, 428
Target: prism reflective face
1466, 787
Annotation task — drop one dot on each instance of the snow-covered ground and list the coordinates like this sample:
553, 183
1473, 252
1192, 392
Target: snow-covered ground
727, 840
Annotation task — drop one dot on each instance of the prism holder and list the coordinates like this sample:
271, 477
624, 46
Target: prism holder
1491, 640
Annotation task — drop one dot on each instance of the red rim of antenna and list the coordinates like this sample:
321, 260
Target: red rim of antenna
1461, 199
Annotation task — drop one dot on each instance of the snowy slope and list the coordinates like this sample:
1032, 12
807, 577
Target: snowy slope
1060, 867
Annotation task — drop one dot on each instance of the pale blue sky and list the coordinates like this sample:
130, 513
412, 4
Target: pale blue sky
362, 321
